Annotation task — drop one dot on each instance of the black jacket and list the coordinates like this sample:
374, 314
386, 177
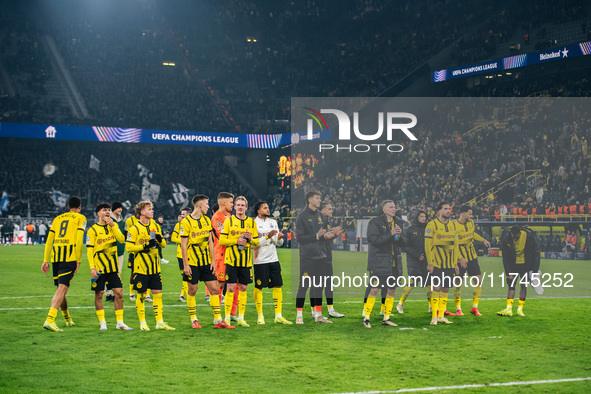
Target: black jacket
327, 243
308, 223
380, 259
532, 251
414, 241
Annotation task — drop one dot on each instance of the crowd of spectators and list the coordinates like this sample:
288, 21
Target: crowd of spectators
458, 167
118, 179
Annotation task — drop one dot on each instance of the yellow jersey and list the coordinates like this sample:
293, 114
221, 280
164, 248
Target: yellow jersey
466, 238
233, 229
101, 247
65, 239
130, 222
520, 248
146, 261
441, 246
176, 238
200, 242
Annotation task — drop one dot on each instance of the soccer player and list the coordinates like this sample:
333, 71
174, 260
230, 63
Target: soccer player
116, 211
383, 236
520, 256
238, 235
129, 223
466, 238
143, 239
176, 238
310, 232
329, 237
416, 261
441, 249
101, 249
65, 239
224, 211
197, 252
267, 270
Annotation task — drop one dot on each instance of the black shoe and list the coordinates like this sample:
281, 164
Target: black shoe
111, 298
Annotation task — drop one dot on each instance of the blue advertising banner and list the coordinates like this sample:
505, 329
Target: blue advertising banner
507, 63
130, 135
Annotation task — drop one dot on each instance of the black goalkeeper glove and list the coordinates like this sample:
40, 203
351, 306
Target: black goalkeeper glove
159, 238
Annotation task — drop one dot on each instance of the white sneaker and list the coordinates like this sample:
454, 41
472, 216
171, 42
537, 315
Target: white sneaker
123, 326
400, 308
132, 297
321, 319
335, 314
103, 326
164, 261
148, 299
299, 319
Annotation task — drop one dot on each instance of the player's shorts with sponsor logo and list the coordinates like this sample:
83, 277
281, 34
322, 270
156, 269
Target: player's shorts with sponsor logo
112, 280
141, 283
242, 275
202, 273
268, 275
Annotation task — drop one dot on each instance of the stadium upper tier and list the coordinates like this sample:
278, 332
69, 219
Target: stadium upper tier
225, 66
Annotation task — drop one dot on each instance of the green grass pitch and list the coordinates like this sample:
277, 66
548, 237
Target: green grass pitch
551, 342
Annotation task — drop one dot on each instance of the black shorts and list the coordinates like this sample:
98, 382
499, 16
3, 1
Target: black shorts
63, 273
141, 283
443, 277
519, 269
268, 275
202, 273
112, 280
181, 265
130, 262
473, 268
418, 275
381, 281
242, 275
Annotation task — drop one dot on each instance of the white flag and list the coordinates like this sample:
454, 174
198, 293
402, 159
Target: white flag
59, 199
180, 193
94, 163
150, 191
143, 171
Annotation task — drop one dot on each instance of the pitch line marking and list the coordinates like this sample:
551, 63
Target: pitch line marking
470, 386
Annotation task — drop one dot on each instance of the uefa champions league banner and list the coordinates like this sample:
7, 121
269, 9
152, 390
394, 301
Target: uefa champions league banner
147, 136
511, 62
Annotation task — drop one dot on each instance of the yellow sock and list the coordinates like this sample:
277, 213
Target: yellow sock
510, 303
278, 300
389, 306
140, 307
131, 292
51, 315
435, 304
214, 303
242, 297
228, 303
383, 308
405, 294
371, 300
258, 300
66, 315
429, 295
158, 307
192, 306
185, 289
148, 293
520, 304
442, 303
476, 294
119, 315
458, 297
101, 315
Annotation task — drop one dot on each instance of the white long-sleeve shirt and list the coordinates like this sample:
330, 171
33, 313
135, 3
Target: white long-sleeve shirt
267, 250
